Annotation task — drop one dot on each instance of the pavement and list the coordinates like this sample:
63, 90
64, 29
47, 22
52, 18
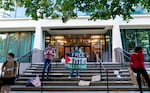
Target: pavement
80, 92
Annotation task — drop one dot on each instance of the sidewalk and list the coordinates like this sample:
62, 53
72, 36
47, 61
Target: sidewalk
80, 92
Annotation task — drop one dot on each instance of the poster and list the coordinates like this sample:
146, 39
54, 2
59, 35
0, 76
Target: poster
76, 61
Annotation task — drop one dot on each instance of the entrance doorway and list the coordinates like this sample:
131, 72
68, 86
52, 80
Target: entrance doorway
88, 43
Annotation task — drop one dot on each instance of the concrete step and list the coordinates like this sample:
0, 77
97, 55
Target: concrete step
63, 68
88, 66
77, 88
81, 74
75, 83
25, 78
59, 79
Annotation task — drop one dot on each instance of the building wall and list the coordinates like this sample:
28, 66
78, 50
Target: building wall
8, 25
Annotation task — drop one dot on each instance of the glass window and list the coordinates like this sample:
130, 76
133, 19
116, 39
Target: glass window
20, 43
13, 44
138, 37
3, 50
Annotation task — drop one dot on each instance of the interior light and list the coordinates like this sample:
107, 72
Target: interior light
107, 36
95, 36
47, 37
61, 41
59, 37
47, 41
94, 41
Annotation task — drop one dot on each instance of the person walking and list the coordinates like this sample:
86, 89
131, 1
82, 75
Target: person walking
72, 70
137, 66
49, 54
9, 68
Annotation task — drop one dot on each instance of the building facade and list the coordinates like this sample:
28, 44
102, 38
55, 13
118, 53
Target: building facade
21, 35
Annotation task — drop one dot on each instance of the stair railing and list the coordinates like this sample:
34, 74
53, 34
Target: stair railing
121, 56
29, 55
101, 66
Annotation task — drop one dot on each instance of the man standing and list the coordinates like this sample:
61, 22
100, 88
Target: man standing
137, 66
49, 54
72, 70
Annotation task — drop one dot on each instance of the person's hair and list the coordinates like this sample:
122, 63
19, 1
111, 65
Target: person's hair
137, 49
11, 54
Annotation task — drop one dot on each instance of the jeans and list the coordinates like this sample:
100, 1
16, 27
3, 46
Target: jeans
72, 71
47, 66
144, 74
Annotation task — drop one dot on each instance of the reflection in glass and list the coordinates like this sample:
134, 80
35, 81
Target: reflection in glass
136, 37
20, 43
3, 49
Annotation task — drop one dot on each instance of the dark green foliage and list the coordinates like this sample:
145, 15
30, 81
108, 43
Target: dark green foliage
67, 9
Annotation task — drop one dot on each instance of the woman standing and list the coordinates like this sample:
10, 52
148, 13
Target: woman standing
9, 68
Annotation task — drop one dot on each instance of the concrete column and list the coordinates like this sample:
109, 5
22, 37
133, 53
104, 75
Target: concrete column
116, 39
37, 56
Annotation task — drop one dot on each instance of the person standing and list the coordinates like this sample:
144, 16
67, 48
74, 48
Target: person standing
49, 54
72, 70
9, 68
137, 66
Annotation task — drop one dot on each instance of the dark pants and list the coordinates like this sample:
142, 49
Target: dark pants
47, 66
144, 74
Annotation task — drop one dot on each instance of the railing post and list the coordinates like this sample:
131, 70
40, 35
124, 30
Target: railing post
42, 81
18, 69
107, 81
100, 66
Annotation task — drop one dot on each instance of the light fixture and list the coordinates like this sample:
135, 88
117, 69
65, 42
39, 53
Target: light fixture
94, 41
95, 36
61, 41
47, 41
107, 40
47, 37
102, 41
59, 37
107, 36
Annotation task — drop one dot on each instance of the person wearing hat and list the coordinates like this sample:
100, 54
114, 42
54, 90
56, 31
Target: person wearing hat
49, 54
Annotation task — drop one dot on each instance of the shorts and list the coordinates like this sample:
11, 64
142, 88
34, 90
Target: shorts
8, 81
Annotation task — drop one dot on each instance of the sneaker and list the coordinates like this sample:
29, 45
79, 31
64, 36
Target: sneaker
78, 76
69, 77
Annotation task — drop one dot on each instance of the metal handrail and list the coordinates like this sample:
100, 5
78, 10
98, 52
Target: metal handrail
122, 55
125, 53
19, 58
101, 65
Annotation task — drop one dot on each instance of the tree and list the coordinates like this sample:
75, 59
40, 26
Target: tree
68, 9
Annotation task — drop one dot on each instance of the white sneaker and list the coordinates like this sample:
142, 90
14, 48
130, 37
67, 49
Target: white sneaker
69, 77
78, 76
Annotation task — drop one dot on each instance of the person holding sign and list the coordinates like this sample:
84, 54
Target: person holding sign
137, 66
73, 54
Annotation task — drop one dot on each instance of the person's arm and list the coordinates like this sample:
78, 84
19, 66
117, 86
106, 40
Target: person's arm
131, 61
16, 67
3, 67
53, 52
45, 51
